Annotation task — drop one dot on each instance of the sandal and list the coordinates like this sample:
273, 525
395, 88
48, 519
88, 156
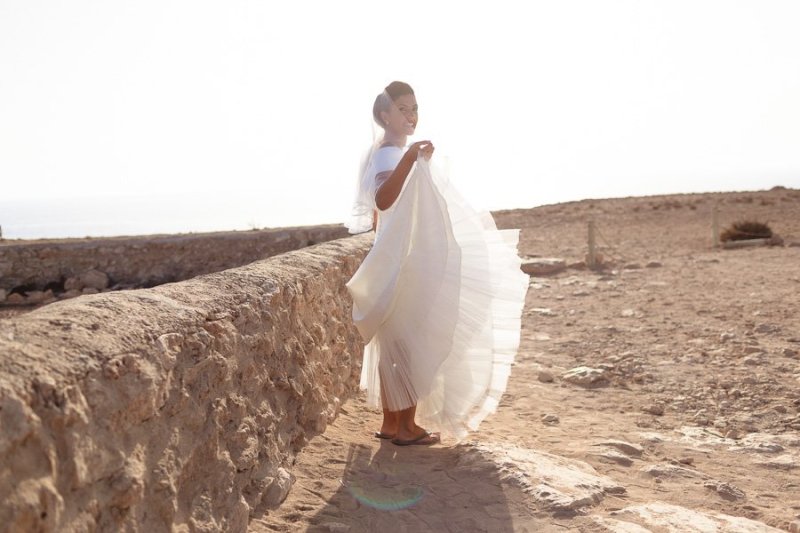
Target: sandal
382, 435
426, 439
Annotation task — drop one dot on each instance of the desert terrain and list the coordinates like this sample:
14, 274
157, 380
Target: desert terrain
659, 393
686, 417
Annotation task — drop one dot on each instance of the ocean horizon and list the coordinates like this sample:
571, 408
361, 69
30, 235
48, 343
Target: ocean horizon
132, 215
135, 215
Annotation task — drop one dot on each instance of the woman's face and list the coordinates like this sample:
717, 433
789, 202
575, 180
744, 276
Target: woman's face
402, 115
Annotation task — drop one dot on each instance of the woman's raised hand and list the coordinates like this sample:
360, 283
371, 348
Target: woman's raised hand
421, 147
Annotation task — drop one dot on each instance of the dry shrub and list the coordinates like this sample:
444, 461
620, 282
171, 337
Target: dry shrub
746, 229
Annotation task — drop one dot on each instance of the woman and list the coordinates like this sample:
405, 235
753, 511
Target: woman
439, 296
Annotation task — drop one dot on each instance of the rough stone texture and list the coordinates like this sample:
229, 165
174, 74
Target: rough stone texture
659, 516
179, 407
558, 484
144, 261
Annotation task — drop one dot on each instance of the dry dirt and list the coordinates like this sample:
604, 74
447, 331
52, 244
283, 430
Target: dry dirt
692, 425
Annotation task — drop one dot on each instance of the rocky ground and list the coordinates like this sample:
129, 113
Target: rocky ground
661, 393
683, 417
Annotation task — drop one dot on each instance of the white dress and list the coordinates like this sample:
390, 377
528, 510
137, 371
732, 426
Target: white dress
438, 299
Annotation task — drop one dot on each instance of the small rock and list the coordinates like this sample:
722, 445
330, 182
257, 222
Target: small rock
90, 290
279, 488
788, 352
35, 297
725, 337
3, 295
625, 447
734, 434
752, 349
752, 361
545, 376
72, 293
656, 409
726, 490
614, 456
671, 471
550, 418
775, 240
585, 376
15, 298
95, 279
543, 311
632, 266
627, 313
73, 284
543, 266
767, 328
654, 264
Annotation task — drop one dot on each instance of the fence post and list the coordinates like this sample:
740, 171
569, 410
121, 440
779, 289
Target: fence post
592, 260
715, 224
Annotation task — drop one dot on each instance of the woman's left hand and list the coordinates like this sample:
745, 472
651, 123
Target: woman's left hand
427, 151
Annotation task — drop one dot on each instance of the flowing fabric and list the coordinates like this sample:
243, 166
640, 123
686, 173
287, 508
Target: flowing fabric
438, 300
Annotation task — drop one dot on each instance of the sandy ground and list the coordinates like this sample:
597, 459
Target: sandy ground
691, 425
692, 422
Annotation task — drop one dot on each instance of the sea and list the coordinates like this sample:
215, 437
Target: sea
51, 218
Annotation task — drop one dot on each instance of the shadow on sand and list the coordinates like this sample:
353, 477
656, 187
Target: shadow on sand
416, 488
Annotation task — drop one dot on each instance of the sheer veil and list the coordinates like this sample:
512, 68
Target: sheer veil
362, 210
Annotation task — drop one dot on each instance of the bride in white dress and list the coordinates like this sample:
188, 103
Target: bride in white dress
439, 297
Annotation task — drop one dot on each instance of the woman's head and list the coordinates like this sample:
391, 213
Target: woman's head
395, 109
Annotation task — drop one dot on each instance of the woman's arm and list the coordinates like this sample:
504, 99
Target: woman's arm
389, 190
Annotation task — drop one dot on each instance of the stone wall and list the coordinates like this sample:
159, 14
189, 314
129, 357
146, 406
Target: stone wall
178, 407
70, 267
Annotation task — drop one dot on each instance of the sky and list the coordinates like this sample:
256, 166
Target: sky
266, 106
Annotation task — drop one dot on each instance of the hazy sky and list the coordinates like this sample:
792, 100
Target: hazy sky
270, 102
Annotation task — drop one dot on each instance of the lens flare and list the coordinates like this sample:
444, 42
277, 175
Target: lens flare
386, 498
